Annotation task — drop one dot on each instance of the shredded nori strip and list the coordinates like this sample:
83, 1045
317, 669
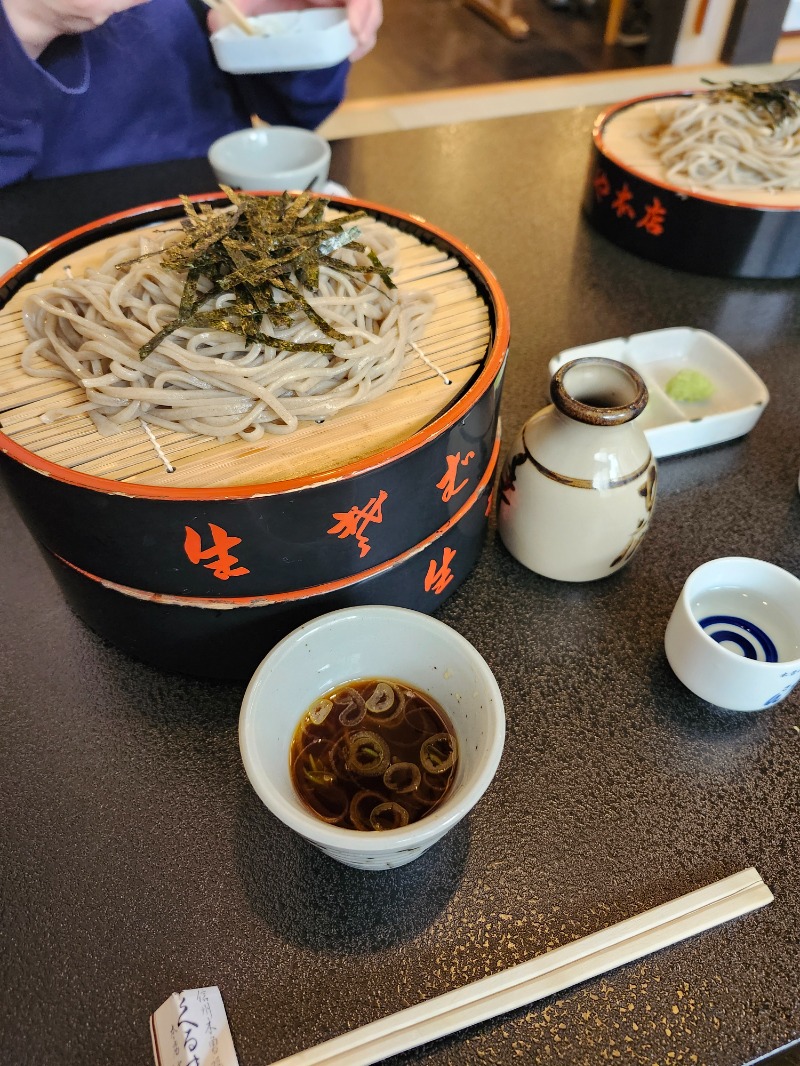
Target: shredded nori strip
773, 102
257, 248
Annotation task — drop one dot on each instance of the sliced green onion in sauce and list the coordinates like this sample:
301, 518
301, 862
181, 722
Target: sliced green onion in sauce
382, 699
368, 754
353, 708
402, 777
320, 711
438, 753
388, 815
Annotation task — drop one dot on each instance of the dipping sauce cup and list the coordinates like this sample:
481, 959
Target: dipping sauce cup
359, 643
734, 635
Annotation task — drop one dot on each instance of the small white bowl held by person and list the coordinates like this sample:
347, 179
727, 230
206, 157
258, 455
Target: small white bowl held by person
89, 85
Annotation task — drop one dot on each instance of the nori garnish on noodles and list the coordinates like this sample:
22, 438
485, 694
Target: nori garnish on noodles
772, 102
258, 248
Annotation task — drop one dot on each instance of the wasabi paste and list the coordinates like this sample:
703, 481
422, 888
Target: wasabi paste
689, 386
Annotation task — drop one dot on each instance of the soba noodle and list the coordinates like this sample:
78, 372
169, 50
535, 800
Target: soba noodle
722, 143
90, 330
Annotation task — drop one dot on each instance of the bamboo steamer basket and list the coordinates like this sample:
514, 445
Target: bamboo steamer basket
715, 231
249, 538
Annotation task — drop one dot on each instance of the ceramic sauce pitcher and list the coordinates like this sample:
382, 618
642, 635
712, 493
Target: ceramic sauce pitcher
579, 483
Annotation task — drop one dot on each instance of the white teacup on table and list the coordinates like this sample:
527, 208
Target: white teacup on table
271, 157
734, 635
11, 253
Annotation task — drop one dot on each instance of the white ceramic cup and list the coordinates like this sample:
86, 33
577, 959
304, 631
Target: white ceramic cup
11, 253
271, 157
734, 635
364, 642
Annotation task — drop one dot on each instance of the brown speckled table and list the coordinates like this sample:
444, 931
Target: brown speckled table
135, 859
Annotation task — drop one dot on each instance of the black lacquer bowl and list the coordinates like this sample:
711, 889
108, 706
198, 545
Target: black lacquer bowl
705, 231
205, 579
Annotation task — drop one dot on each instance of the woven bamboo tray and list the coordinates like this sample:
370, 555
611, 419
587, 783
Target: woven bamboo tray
455, 342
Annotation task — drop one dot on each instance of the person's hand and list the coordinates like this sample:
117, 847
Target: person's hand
38, 22
365, 16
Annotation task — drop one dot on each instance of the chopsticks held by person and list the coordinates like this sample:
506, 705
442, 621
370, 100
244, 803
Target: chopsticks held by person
90, 85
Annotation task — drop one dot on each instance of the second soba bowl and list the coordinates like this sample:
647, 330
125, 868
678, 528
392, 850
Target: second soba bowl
360, 643
648, 208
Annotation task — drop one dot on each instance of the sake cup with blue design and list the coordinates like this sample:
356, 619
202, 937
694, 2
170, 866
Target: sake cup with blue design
734, 635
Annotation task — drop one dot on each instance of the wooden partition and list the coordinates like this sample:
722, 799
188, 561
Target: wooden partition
754, 31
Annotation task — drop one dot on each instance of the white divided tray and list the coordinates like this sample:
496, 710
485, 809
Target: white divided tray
291, 40
674, 426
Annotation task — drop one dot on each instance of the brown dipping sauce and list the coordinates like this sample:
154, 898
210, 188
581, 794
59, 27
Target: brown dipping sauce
373, 755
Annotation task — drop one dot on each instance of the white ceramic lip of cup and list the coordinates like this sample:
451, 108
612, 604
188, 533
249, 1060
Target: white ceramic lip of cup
271, 157
363, 642
11, 253
711, 671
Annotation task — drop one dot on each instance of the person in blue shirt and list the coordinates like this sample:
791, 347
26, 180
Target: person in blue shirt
89, 85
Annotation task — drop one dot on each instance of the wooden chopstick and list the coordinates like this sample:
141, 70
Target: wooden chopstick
542, 976
234, 14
